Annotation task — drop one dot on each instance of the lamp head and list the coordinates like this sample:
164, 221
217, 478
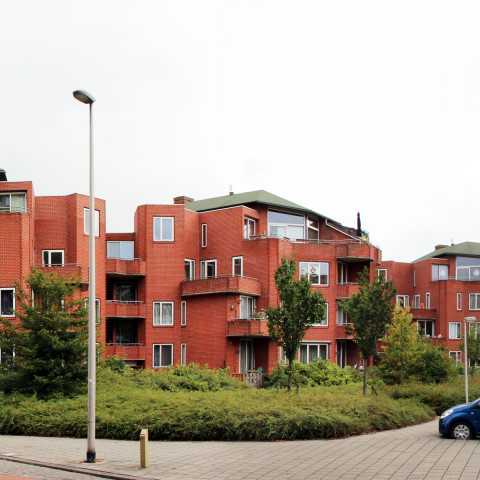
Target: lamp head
83, 96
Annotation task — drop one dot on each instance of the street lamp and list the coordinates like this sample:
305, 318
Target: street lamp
466, 320
86, 98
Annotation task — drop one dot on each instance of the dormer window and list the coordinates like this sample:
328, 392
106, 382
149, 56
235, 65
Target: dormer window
287, 225
13, 202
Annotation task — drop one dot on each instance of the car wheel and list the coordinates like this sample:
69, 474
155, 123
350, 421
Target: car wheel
461, 431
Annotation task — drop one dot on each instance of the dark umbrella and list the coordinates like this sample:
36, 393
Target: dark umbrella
359, 225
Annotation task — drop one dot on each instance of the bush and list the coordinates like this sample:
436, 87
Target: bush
318, 373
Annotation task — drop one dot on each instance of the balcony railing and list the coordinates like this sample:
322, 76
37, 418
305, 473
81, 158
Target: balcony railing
221, 284
117, 266
67, 270
128, 351
119, 309
346, 290
247, 327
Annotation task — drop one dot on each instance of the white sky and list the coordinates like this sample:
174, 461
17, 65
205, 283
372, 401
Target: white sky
340, 106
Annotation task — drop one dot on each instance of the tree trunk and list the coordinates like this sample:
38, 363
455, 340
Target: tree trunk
290, 374
365, 379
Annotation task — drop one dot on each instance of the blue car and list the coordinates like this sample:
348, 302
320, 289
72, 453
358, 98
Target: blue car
461, 422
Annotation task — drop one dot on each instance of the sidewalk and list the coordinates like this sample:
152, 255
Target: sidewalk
416, 452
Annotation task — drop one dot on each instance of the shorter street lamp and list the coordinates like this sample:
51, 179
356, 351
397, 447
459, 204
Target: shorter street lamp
466, 320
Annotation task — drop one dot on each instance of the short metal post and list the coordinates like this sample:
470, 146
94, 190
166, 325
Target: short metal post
144, 448
278, 387
298, 388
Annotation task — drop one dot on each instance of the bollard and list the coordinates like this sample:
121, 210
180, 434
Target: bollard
144, 448
278, 387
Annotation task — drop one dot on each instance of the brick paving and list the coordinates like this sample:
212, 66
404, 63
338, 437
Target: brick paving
414, 453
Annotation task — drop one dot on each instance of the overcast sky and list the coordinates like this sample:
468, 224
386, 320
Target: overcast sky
340, 106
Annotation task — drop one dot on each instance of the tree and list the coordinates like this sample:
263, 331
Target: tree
402, 346
473, 347
299, 309
49, 340
370, 311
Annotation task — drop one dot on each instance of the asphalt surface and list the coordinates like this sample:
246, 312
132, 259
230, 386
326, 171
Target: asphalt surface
415, 453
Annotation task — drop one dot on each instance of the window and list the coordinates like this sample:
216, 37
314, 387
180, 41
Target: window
247, 307
382, 275
427, 300
459, 301
208, 268
189, 269
309, 352
312, 227
439, 272
183, 355
52, 257
162, 355
455, 330
286, 225
416, 301
468, 269
342, 318
183, 319
316, 272
163, 228
122, 250
249, 228
97, 308
237, 266
86, 222
402, 300
426, 327
474, 303
163, 313
342, 273
204, 234
324, 321
7, 302
122, 332
13, 202
126, 291
456, 355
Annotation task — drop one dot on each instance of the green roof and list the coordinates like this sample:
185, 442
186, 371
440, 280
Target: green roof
465, 249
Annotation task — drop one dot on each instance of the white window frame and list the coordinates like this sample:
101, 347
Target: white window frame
11, 289
341, 316
459, 301
160, 346
250, 306
14, 209
120, 244
458, 328
183, 313
183, 354
419, 321
379, 275
456, 355
160, 322
416, 301
427, 300
204, 234
342, 273
49, 253
246, 228
241, 266
161, 237
405, 300
86, 222
203, 268
476, 301
324, 322
310, 266
436, 269
319, 345
192, 268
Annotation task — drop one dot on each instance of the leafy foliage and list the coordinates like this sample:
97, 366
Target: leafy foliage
49, 339
473, 347
370, 311
299, 309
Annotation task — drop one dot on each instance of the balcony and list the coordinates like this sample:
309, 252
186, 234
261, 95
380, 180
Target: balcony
247, 327
340, 332
68, 270
356, 252
118, 309
130, 351
423, 313
346, 290
221, 284
119, 267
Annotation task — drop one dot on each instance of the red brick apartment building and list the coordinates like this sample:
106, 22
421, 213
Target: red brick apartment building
189, 284
441, 288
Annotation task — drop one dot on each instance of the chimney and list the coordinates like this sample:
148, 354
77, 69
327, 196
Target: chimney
182, 200
3, 175
439, 247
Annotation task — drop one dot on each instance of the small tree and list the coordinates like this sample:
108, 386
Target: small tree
49, 340
402, 346
370, 311
299, 309
473, 347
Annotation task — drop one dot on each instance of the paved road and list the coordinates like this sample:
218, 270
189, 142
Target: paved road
411, 453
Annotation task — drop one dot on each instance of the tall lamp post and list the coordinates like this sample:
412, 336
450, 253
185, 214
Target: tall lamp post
86, 98
466, 320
